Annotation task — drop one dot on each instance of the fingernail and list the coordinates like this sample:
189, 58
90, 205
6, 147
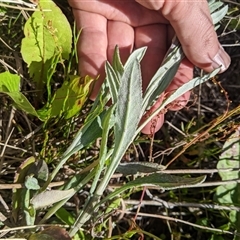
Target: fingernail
221, 59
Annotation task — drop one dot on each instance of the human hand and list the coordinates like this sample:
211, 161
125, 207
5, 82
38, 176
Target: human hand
133, 24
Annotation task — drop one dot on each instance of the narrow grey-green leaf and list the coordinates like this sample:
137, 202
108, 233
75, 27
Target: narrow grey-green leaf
47, 198
113, 81
106, 126
164, 181
128, 110
132, 168
179, 92
166, 72
190, 85
162, 77
213, 5
137, 54
90, 131
219, 15
117, 63
77, 182
99, 104
87, 134
128, 106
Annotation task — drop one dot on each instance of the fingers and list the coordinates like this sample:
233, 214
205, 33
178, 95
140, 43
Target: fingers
121, 34
193, 25
92, 45
155, 38
191, 22
128, 11
156, 123
184, 74
97, 42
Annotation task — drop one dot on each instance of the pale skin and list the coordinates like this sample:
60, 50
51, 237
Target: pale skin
132, 24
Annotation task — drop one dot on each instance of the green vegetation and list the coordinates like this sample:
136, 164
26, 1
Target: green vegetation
62, 167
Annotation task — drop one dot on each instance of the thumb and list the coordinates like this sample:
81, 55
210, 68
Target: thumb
193, 25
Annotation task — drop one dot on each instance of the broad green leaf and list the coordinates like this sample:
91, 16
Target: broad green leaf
69, 99
48, 37
133, 168
162, 180
10, 85
44, 35
47, 198
230, 158
23, 104
41, 72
